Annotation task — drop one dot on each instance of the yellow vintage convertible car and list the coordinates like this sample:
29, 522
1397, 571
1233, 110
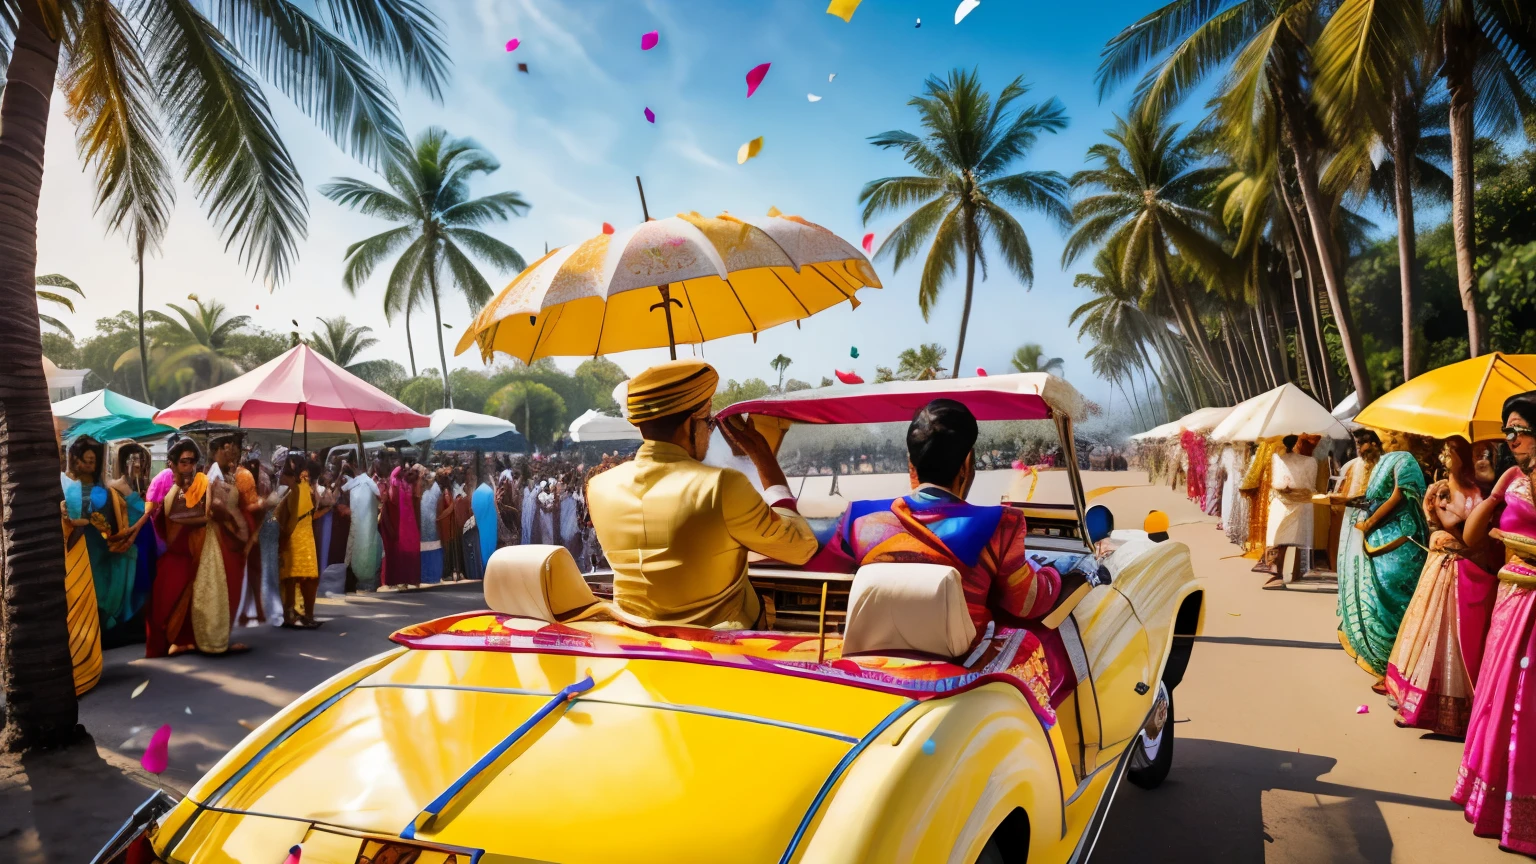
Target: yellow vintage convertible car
540, 730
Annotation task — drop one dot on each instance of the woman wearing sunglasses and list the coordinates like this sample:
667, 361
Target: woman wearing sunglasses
1497, 781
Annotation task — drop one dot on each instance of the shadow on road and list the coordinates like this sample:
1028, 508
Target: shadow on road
63, 805
1233, 803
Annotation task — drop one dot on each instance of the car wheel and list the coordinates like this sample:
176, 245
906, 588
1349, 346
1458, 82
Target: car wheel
1152, 751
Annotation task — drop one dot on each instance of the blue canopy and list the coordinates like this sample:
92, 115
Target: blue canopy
506, 442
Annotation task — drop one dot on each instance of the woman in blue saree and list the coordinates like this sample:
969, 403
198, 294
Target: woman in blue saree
1380, 559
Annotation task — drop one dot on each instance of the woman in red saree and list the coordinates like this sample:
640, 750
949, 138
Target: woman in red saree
189, 603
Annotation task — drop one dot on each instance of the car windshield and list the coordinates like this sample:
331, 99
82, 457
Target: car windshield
869, 461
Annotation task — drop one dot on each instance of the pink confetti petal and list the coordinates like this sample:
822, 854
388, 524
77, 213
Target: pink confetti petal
157, 755
1363, 709
980, 372
295, 855
848, 377
869, 243
649, 40
650, 116
755, 77
1018, 464
512, 44
607, 229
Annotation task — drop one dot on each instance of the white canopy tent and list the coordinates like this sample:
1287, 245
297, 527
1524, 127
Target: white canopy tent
453, 424
1345, 411
1285, 410
1199, 420
594, 426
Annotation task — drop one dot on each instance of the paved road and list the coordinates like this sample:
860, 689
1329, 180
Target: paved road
1271, 764
229, 695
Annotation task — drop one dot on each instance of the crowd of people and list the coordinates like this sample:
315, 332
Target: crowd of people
222, 538
1433, 544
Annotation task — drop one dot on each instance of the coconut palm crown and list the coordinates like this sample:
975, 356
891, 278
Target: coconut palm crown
429, 197
962, 192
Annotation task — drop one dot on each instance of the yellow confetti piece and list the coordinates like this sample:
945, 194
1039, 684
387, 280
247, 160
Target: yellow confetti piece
139, 689
749, 150
843, 9
1235, 614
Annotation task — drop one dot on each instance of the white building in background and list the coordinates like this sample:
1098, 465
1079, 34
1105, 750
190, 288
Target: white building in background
63, 383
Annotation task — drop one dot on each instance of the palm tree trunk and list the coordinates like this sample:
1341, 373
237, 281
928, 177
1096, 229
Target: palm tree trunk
1460, 55
1313, 275
39, 704
442, 354
970, 286
143, 344
1407, 254
1303, 348
1260, 333
410, 349
1184, 313
1322, 235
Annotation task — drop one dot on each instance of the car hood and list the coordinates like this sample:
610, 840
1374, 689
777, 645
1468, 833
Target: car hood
657, 761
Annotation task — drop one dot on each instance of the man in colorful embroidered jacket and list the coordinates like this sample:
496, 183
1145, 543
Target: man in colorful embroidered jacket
935, 525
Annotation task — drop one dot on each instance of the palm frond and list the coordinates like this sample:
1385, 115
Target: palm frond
59, 280
1044, 192
1362, 58
320, 72
914, 150
903, 241
55, 323
401, 33
466, 276
947, 244
1008, 234
489, 208
109, 96
364, 256
485, 246
407, 281
370, 200
226, 138
1147, 38
1208, 48
893, 193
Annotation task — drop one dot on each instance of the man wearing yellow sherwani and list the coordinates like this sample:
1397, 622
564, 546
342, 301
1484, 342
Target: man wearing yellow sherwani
677, 531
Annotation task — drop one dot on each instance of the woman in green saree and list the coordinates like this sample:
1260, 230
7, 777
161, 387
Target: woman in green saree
1380, 558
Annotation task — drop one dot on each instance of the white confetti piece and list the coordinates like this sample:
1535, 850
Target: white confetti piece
812, 97
139, 689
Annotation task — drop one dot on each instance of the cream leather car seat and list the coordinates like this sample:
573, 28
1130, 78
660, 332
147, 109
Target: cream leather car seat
540, 582
908, 607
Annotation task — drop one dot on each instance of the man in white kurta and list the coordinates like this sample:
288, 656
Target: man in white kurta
1293, 481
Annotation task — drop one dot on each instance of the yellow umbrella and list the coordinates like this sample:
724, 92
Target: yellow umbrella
1460, 399
685, 279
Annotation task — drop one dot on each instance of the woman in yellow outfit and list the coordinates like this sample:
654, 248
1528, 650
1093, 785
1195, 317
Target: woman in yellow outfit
79, 587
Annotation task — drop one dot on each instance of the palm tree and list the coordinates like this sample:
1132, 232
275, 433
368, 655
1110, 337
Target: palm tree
1261, 108
923, 363
780, 364
1486, 51
1030, 357
340, 342
124, 65
438, 222
962, 191
1146, 194
190, 353
1370, 85
64, 283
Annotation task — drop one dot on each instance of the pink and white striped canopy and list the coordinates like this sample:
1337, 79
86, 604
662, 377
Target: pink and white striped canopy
297, 389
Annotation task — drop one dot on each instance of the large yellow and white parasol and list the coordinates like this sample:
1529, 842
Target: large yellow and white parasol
684, 279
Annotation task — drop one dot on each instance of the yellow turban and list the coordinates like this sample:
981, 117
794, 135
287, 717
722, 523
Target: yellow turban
671, 388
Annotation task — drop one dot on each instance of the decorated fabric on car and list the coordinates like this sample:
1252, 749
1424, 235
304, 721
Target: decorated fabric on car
1011, 656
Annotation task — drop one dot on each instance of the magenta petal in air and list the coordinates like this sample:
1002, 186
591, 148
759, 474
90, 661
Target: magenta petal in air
649, 40
755, 77
157, 754
650, 116
512, 44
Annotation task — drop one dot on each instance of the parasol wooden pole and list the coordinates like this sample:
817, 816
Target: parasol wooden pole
821, 627
666, 290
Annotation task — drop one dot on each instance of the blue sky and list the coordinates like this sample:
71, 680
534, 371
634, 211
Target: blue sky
571, 138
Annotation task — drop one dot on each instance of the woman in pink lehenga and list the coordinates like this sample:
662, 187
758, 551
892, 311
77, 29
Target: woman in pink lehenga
1497, 781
